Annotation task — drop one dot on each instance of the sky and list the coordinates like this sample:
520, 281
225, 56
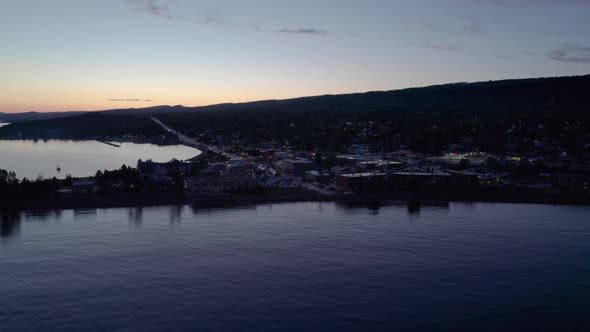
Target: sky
64, 55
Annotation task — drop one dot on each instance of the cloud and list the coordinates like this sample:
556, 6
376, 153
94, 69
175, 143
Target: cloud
127, 99
161, 9
571, 53
216, 16
472, 28
443, 47
503, 56
152, 7
214, 20
311, 32
436, 28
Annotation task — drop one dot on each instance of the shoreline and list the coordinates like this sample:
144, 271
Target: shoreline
121, 200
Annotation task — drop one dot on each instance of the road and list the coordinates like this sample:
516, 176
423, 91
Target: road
189, 141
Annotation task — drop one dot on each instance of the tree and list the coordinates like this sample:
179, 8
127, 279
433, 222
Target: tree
8, 177
318, 158
464, 164
492, 163
331, 160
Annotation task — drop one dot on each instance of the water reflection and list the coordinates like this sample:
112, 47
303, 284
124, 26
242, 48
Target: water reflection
253, 261
30, 158
135, 215
414, 208
42, 215
9, 223
84, 213
198, 209
372, 206
175, 213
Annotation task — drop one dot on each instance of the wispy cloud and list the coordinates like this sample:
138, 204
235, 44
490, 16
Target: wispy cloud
472, 28
152, 7
443, 47
216, 16
302, 31
571, 53
127, 99
162, 9
436, 27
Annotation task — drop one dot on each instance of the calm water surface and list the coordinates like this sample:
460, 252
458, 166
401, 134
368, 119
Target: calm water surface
29, 158
297, 266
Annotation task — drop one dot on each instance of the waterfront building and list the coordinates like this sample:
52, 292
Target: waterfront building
295, 167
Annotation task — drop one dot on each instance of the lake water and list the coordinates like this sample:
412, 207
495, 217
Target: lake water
30, 158
297, 266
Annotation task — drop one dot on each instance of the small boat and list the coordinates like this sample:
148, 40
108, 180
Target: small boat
57, 168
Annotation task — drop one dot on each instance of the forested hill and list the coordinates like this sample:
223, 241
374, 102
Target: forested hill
31, 116
549, 100
508, 94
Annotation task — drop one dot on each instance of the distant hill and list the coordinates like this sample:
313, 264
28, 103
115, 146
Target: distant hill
403, 112
32, 116
529, 93
87, 125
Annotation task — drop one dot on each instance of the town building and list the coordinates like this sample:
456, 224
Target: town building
83, 186
278, 182
153, 171
418, 180
221, 184
572, 182
361, 182
295, 167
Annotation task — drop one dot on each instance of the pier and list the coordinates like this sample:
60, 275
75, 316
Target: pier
109, 143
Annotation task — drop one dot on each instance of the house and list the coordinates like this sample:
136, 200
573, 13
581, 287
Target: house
222, 184
311, 175
378, 164
179, 166
316, 176
83, 186
154, 171
341, 169
238, 167
279, 182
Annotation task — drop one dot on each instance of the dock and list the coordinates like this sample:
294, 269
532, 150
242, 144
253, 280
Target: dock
109, 143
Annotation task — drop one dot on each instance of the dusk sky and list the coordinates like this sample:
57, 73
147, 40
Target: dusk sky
89, 55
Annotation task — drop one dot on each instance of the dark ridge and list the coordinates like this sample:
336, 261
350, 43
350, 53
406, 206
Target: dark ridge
31, 116
548, 99
88, 125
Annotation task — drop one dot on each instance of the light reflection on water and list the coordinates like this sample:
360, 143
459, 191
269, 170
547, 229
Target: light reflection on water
31, 158
318, 266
